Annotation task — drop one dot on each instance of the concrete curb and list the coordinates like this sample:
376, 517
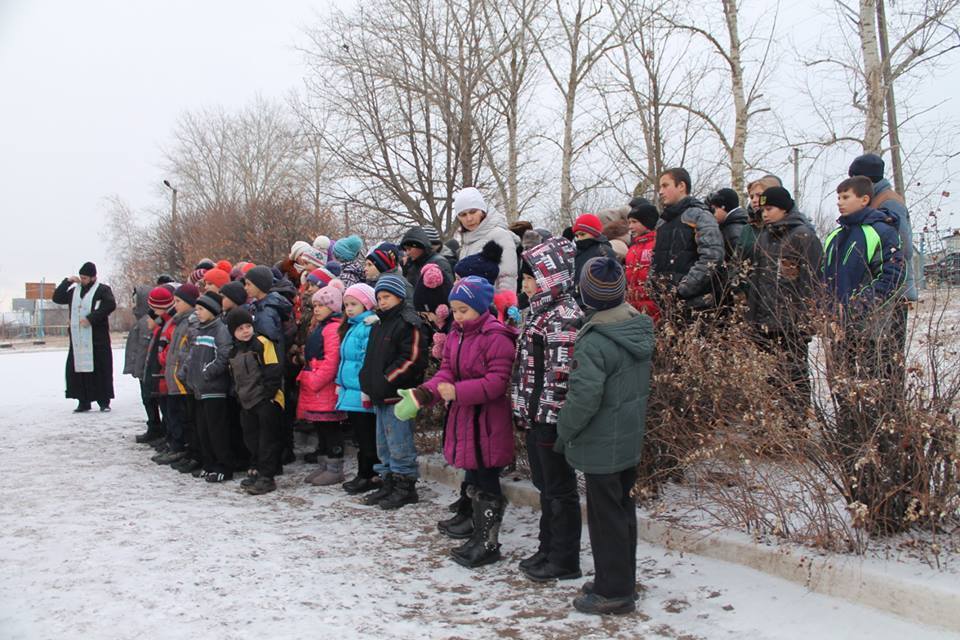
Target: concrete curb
836, 576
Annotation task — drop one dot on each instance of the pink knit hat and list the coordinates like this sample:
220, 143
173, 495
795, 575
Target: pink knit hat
362, 293
330, 297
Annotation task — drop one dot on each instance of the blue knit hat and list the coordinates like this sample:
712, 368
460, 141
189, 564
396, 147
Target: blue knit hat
334, 267
602, 285
473, 291
485, 264
392, 284
347, 248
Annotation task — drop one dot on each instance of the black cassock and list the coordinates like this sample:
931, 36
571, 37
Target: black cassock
96, 386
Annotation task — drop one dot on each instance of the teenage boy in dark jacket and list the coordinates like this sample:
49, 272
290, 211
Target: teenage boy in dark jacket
396, 358
541, 375
600, 429
135, 356
181, 426
416, 244
258, 379
207, 374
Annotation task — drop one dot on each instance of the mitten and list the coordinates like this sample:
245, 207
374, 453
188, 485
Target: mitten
408, 407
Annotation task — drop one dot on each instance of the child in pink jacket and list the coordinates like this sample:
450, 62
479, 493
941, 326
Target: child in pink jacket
474, 378
318, 389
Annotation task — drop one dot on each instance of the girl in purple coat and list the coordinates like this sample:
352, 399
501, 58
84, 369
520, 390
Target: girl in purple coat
473, 380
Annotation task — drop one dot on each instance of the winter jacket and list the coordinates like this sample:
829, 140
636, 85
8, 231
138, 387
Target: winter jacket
587, 249
177, 352
396, 272
600, 428
353, 272
494, 227
318, 387
732, 229
477, 359
886, 199
353, 351
206, 367
687, 253
256, 372
856, 277
270, 315
411, 269
396, 355
545, 347
639, 259
784, 278
153, 370
135, 353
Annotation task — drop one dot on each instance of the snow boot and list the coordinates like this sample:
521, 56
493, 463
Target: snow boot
548, 572
454, 507
460, 526
361, 485
598, 605
385, 490
152, 433
404, 493
484, 545
319, 471
333, 474
82, 407
261, 486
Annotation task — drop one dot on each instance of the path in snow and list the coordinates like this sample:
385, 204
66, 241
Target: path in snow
96, 541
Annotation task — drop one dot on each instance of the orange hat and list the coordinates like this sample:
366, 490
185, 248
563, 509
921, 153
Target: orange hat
225, 266
217, 277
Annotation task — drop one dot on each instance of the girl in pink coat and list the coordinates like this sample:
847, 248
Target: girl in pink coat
318, 389
473, 379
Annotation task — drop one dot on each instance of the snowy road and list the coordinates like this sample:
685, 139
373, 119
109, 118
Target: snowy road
98, 542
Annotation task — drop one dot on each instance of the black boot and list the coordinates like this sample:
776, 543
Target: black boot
461, 524
361, 484
454, 507
152, 433
385, 490
404, 493
484, 546
82, 407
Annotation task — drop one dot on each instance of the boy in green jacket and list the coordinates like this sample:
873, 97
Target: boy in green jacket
600, 429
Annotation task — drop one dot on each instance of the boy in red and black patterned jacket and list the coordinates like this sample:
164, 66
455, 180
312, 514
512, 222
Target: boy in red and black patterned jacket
545, 352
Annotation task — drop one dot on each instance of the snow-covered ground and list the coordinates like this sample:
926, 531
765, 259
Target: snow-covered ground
96, 541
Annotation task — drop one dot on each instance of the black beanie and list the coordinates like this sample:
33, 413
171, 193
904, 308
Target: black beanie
645, 214
869, 165
777, 197
726, 198
164, 278
261, 277
211, 302
88, 269
237, 318
235, 291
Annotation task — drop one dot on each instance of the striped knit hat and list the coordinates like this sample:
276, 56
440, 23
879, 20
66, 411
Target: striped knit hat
320, 277
197, 276
384, 256
432, 234
602, 285
588, 223
392, 284
160, 298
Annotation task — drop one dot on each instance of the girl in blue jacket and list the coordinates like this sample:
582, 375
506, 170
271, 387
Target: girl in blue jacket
358, 303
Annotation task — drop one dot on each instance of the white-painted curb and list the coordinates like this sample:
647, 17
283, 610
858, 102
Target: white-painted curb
830, 574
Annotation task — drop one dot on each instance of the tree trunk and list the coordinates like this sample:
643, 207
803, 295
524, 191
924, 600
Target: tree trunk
741, 115
893, 127
566, 180
873, 78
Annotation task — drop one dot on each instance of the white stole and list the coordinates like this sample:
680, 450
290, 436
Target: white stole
81, 337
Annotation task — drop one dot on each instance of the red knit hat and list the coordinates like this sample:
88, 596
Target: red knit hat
225, 266
217, 277
588, 223
160, 298
247, 266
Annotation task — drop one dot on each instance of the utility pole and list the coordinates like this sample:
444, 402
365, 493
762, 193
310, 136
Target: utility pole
174, 236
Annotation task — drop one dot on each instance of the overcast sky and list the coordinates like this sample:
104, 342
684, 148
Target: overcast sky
91, 90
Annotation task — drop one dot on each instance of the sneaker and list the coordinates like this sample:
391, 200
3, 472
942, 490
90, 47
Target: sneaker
219, 477
261, 486
199, 473
596, 604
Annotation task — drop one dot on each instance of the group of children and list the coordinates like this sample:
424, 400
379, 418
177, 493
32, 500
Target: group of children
557, 344
240, 356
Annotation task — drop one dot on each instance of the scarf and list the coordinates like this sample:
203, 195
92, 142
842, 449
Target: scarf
81, 337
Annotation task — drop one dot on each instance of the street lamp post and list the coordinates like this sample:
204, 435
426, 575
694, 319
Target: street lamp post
174, 248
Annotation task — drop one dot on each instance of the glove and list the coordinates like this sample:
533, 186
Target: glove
408, 407
513, 313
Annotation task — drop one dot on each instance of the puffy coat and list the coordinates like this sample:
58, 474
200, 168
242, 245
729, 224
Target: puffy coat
411, 269
477, 359
270, 315
138, 340
318, 388
206, 368
886, 199
177, 352
639, 259
600, 429
784, 277
732, 229
353, 350
396, 355
688, 252
256, 371
494, 227
545, 347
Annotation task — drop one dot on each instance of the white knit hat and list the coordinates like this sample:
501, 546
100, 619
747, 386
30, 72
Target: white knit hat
298, 247
321, 243
468, 198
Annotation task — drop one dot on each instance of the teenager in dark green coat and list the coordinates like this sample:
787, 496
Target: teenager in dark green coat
600, 429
